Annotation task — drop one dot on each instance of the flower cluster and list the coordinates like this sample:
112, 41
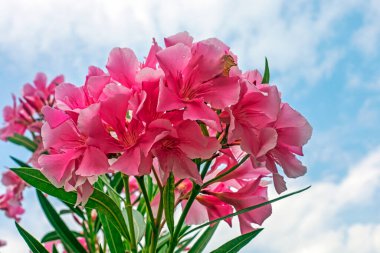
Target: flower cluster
10, 201
187, 114
186, 101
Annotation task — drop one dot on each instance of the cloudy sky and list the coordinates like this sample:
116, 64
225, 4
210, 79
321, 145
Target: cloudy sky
324, 56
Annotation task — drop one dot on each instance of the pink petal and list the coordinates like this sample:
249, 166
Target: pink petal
123, 65
223, 92
94, 163
58, 167
151, 60
70, 97
64, 136
174, 59
194, 143
293, 129
292, 166
182, 37
197, 110
40, 81
54, 117
197, 213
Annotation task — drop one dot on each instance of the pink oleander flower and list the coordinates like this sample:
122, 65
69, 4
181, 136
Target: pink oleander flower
195, 74
50, 245
237, 190
2, 243
175, 151
77, 150
16, 120
10, 201
251, 117
41, 93
293, 133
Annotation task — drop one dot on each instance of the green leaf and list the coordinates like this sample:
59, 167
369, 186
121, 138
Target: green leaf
236, 244
138, 223
98, 200
53, 235
19, 162
34, 245
168, 198
112, 236
245, 210
110, 190
23, 141
184, 243
60, 227
266, 76
73, 209
55, 249
204, 239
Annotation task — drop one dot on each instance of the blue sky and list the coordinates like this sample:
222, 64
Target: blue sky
324, 56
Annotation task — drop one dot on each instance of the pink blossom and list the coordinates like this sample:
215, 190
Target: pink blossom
2, 243
249, 195
78, 152
251, 118
41, 93
293, 132
10, 202
195, 74
175, 151
16, 121
135, 139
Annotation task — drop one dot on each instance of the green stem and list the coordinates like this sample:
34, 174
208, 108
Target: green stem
205, 168
128, 207
156, 230
225, 173
174, 239
140, 181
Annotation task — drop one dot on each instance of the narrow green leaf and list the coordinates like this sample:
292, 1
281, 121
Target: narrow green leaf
183, 244
110, 190
112, 236
168, 198
138, 223
55, 249
204, 239
34, 245
73, 209
266, 76
23, 141
53, 236
98, 200
19, 162
236, 244
117, 182
245, 210
60, 227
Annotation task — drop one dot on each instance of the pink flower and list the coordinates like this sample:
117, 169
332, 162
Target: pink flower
134, 137
78, 152
10, 202
249, 195
2, 243
251, 118
195, 74
16, 120
293, 132
49, 245
41, 94
175, 151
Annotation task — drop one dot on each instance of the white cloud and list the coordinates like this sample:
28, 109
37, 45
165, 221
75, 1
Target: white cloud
75, 34
315, 221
